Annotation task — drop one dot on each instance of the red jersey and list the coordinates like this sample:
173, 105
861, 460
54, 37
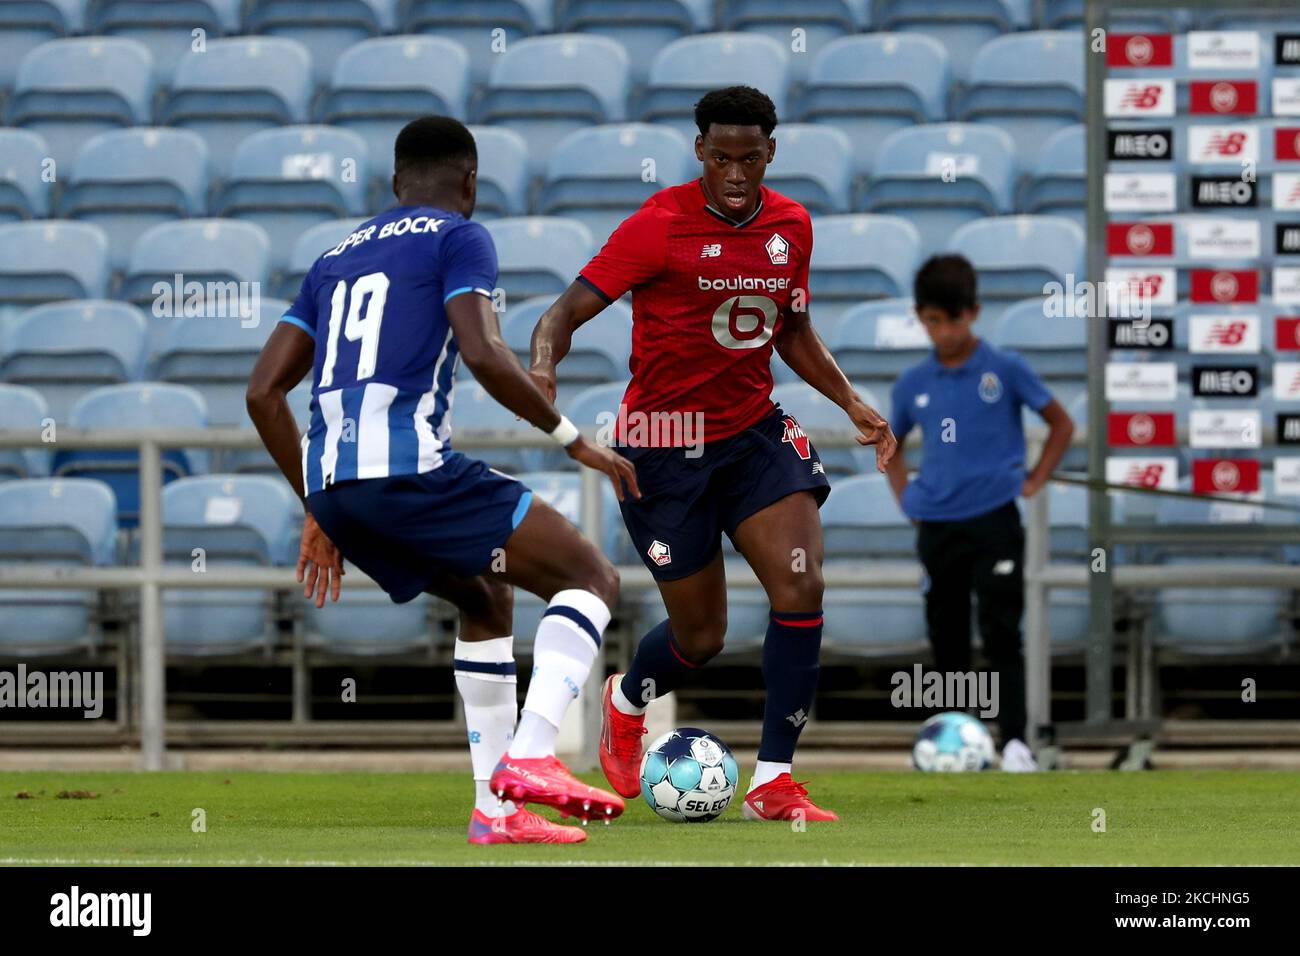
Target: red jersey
708, 295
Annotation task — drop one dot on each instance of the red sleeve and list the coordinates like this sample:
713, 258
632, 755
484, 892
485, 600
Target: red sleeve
634, 254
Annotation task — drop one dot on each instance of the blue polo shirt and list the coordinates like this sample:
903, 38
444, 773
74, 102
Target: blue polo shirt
972, 439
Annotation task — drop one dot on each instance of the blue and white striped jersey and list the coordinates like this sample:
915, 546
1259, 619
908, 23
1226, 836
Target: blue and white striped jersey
385, 354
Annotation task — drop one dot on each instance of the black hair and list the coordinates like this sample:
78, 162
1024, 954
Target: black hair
432, 141
736, 106
947, 283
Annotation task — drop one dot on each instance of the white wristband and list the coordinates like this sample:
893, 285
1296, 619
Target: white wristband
566, 433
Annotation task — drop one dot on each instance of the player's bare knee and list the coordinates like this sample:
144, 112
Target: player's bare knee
599, 576
798, 592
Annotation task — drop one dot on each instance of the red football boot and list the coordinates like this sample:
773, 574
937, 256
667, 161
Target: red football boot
522, 826
547, 781
783, 799
620, 744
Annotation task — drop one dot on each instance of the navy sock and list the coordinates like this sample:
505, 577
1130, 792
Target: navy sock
791, 663
658, 667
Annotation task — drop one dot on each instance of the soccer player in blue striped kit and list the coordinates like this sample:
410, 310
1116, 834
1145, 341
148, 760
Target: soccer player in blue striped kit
381, 322
967, 396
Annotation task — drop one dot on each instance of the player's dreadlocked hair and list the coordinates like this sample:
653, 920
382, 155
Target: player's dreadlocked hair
947, 283
433, 141
736, 106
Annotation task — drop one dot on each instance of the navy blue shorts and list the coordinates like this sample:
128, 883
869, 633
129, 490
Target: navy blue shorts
407, 531
686, 504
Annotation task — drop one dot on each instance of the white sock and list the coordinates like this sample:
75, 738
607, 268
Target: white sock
765, 771
567, 640
485, 678
622, 704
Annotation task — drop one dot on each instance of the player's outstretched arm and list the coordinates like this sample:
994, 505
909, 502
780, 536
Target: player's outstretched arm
804, 351
554, 333
478, 335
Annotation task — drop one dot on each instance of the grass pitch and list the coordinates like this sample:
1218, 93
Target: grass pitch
1151, 818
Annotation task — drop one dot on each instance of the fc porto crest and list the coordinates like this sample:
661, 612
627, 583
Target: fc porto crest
797, 437
990, 387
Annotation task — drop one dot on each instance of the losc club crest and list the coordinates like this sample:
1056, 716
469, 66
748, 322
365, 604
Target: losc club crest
778, 250
797, 437
990, 387
659, 553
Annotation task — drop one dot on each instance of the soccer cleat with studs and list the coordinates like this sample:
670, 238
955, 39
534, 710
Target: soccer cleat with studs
547, 781
522, 826
783, 799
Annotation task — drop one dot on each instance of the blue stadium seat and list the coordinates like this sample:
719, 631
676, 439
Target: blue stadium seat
239, 86
257, 461
1058, 181
943, 175
23, 409
485, 28
1068, 609
821, 22
67, 348
288, 180
26, 25
815, 412
366, 623
596, 405
1054, 348
24, 187
52, 259
502, 173
859, 257
876, 341
600, 349
474, 410
1068, 15
686, 69
380, 85
962, 26
1219, 621
126, 181
210, 254
861, 521
236, 520
138, 405
314, 242
216, 357
1015, 257
327, 28
69, 90
870, 86
544, 88
813, 166
65, 521
539, 255
1028, 84
643, 27
165, 28
595, 176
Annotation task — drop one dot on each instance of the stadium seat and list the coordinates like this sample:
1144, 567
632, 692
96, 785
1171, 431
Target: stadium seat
216, 357
314, 242
126, 181
142, 406
67, 348
1220, 620
821, 22
214, 257
539, 255
942, 175
366, 623
1028, 84
1058, 181
643, 27
1068, 15
288, 180
165, 28
815, 412
686, 69
1054, 348
813, 166
257, 461
1016, 257
869, 86
859, 257
962, 26
502, 173
380, 85
600, 350
861, 521
24, 26
24, 187
69, 90
597, 405
238, 87
327, 28
484, 28
876, 341
474, 410
41, 261
236, 520
23, 409
61, 521
546, 87
597, 176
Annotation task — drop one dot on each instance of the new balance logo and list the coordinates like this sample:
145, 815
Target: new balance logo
711, 251
818, 468
798, 718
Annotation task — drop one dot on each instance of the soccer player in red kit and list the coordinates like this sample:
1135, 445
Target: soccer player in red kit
718, 271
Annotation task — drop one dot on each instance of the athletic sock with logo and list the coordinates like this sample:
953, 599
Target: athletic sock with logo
791, 663
485, 678
567, 641
659, 667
